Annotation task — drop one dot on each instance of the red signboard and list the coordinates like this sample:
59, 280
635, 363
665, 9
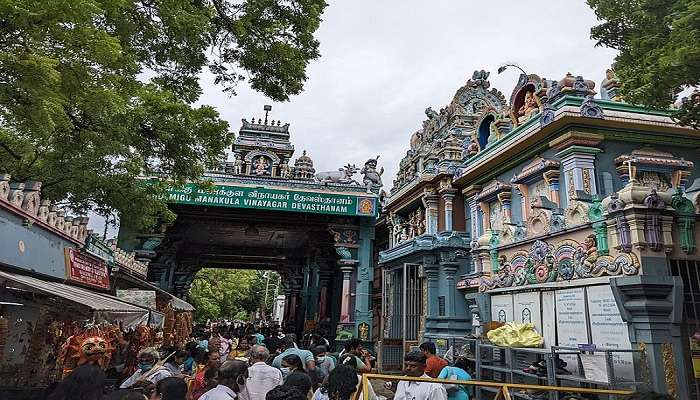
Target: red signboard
86, 269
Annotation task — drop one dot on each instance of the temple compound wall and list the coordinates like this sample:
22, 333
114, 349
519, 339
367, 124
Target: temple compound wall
559, 207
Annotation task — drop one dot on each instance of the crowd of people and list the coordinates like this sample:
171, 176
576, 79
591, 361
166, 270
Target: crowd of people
229, 360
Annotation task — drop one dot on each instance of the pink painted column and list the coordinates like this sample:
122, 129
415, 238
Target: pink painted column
345, 299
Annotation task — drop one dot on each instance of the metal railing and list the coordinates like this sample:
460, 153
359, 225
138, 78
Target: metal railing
503, 390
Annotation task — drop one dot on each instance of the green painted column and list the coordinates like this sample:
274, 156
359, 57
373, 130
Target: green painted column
365, 272
312, 293
303, 307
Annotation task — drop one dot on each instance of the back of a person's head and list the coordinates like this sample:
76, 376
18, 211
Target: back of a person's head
125, 394
352, 344
172, 388
342, 383
85, 381
348, 360
285, 392
318, 350
299, 380
293, 360
231, 370
286, 342
429, 347
415, 356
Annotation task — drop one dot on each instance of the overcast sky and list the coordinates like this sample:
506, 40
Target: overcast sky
383, 62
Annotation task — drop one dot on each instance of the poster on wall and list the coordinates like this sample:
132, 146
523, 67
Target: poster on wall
502, 308
549, 319
572, 322
608, 330
527, 308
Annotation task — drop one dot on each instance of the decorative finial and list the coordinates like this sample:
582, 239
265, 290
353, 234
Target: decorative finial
267, 109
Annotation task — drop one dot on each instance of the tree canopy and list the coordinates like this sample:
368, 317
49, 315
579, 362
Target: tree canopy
95, 93
659, 44
232, 294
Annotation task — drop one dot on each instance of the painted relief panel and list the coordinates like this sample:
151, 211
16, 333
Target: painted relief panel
538, 189
496, 215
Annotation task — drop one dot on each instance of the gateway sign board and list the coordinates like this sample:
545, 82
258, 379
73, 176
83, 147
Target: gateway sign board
86, 269
275, 200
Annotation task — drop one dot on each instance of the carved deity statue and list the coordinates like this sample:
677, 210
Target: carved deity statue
261, 165
237, 164
284, 169
372, 179
473, 148
420, 222
591, 250
529, 107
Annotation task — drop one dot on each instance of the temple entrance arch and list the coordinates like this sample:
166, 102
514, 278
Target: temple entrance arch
261, 213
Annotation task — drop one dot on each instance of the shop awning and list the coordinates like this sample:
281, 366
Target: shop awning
104, 307
181, 305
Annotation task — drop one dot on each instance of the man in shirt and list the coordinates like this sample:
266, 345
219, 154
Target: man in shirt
287, 345
364, 359
261, 377
433, 363
147, 359
414, 366
232, 380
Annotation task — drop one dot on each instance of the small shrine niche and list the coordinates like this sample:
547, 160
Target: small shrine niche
653, 168
526, 99
538, 184
494, 200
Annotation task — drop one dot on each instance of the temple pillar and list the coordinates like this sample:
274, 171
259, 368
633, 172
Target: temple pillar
448, 196
312, 293
431, 270
449, 267
430, 202
652, 307
346, 265
551, 178
324, 279
304, 294
578, 163
365, 272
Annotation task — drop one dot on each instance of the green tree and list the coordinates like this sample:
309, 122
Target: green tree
659, 44
95, 93
225, 293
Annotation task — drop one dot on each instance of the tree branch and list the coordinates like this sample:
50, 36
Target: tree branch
9, 151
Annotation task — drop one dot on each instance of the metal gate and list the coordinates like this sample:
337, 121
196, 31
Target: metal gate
689, 271
402, 307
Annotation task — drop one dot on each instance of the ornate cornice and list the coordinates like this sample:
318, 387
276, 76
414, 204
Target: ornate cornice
426, 243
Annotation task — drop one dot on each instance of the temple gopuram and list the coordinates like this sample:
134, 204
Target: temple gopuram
558, 205
265, 211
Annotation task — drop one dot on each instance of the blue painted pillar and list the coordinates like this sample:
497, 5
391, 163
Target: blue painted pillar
432, 272
312, 293
365, 272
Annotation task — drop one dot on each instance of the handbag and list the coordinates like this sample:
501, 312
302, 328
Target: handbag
452, 388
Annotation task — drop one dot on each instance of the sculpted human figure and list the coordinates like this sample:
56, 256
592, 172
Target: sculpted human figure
237, 164
284, 169
372, 178
473, 148
529, 107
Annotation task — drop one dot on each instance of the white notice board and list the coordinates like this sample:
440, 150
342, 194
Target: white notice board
549, 319
608, 330
527, 309
502, 308
572, 321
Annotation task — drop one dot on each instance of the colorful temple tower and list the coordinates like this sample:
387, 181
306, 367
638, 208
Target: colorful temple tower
555, 207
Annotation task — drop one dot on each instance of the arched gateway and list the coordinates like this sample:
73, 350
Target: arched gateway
316, 230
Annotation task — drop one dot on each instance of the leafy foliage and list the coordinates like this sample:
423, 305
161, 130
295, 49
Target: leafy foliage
659, 43
95, 93
225, 293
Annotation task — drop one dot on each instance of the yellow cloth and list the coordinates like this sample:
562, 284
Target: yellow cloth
515, 335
